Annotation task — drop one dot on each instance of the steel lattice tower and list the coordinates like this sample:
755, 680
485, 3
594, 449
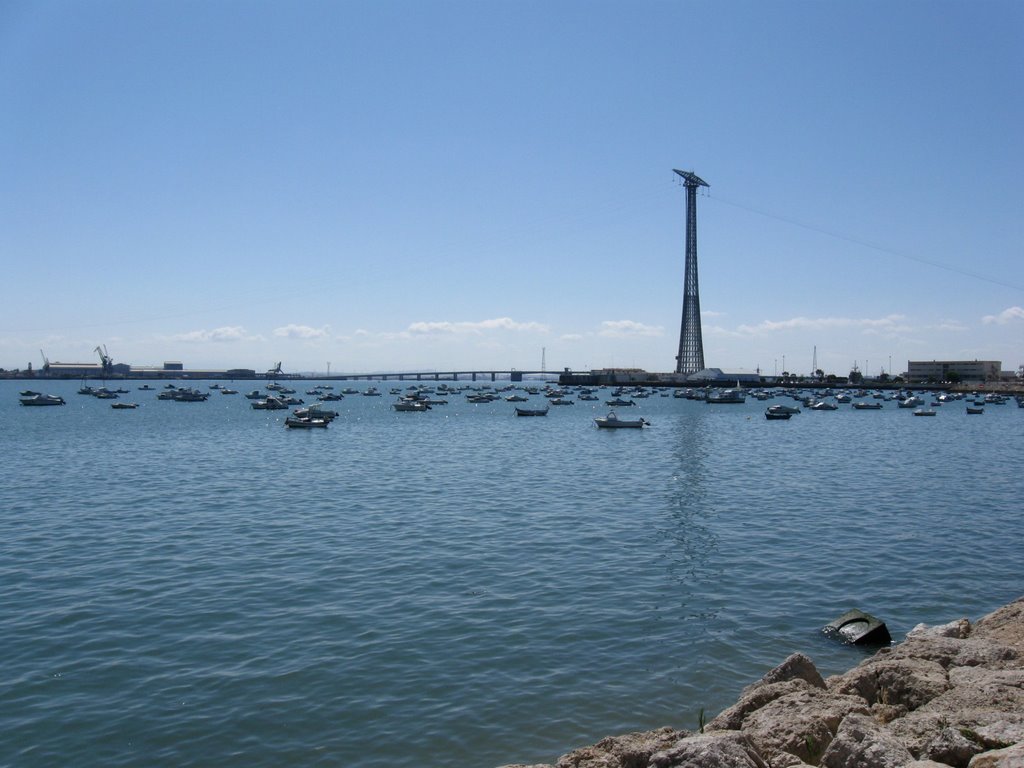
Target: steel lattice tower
691, 346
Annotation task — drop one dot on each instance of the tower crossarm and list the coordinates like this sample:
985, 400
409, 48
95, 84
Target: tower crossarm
691, 179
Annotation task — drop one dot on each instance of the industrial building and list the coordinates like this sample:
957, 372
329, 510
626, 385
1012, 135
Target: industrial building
925, 371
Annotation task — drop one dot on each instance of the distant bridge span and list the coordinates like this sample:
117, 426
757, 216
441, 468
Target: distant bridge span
511, 375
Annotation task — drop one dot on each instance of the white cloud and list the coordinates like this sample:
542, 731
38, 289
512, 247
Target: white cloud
228, 333
462, 328
621, 329
571, 337
1008, 315
888, 323
292, 331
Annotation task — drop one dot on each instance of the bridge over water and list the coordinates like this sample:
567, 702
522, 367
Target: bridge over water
511, 375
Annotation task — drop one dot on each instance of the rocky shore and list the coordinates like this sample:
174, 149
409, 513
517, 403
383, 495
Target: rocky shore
949, 695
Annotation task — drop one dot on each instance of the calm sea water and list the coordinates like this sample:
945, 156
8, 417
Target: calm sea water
193, 584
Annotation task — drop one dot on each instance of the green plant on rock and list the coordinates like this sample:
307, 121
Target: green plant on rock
813, 749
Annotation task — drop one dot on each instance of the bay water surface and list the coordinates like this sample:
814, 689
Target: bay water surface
192, 584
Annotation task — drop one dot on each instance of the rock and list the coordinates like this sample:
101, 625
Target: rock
1001, 733
1010, 757
958, 629
952, 747
751, 700
860, 742
796, 673
801, 723
1004, 626
786, 760
721, 749
632, 750
906, 682
795, 667
925, 764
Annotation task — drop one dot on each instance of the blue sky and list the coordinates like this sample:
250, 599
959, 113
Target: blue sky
415, 185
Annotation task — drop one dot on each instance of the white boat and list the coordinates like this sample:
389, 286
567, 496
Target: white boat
780, 412
41, 399
410, 405
315, 411
924, 412
864, 406
270, 404
611, 421
823, 405
723, 396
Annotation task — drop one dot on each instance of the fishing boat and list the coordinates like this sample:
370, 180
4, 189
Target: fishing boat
124, 406
974, 410
725, 396
823, 405
924, 411
612, 421
294, 422
876, 406
269, 404
531, 411
780, 412
41, 399
315, 411
410, 405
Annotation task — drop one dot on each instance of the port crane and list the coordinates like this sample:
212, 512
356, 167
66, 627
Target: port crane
276, 370
46, 362
106, 362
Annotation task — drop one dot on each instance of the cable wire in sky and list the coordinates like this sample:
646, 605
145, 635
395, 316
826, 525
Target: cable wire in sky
867, 244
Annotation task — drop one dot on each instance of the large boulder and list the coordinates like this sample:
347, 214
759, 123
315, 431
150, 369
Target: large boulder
721, 749
752, 699
801, 723
952, 747
1010, 757
796, 673
902, 682
1004, 626
632, 750
861, 742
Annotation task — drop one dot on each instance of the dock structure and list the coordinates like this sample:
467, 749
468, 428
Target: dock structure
691, 345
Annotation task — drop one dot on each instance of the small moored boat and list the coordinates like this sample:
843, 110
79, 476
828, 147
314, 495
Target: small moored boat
531, 411
294, 422
41, 399
410, 405
612, 421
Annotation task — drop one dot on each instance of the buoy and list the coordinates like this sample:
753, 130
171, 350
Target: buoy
858, 628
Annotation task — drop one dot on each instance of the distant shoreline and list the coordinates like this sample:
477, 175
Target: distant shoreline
1015, 388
